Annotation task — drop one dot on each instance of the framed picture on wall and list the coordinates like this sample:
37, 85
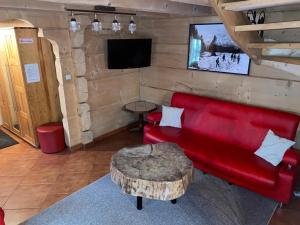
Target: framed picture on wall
212, 49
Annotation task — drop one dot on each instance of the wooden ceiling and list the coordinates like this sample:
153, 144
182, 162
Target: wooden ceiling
142, 7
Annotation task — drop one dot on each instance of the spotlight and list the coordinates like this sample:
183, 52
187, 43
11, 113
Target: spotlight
116, 26
96, 25
74, 25
132, 26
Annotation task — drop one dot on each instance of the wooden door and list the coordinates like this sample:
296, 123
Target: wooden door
16, 75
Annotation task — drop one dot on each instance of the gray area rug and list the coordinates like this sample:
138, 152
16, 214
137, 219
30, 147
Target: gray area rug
208, 201
6, 141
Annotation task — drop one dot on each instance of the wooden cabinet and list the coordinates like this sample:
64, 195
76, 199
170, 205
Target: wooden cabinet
4, 104
29, 82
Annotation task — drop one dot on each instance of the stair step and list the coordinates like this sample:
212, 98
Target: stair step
289, 60
232, 19
274, 45
268, 26
256, 4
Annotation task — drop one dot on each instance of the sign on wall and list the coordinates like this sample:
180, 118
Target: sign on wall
32, 73
25, 40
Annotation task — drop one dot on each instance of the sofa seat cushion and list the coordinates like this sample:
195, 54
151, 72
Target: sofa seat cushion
235, 161
162, 134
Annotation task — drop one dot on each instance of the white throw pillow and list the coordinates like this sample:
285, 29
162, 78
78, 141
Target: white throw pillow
171, 116
273, 148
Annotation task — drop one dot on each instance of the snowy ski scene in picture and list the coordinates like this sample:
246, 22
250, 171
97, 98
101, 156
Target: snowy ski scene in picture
212, 49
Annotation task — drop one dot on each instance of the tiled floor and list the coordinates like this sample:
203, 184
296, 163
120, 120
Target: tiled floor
30, 181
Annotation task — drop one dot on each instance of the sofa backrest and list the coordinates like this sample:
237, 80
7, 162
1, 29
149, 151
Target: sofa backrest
233, 123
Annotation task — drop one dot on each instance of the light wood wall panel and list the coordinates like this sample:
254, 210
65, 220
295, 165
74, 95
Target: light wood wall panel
109, 90
110, 117
265, 86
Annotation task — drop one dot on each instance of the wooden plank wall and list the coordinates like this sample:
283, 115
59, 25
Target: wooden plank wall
280, 14
109, 90
266, 86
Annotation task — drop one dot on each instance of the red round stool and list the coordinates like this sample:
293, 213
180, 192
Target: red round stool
1, 217
51, 137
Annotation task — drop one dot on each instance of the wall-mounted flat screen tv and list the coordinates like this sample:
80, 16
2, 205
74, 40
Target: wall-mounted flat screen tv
128, 53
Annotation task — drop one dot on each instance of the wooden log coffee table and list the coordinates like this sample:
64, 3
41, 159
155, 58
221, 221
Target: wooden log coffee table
157, 171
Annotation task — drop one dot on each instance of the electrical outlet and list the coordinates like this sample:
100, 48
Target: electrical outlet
68, 77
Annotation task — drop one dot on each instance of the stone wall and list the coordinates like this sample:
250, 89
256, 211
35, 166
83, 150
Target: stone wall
78, 56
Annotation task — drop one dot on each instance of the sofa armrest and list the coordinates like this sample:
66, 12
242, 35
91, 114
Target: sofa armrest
154, 117
286, 182
291, 157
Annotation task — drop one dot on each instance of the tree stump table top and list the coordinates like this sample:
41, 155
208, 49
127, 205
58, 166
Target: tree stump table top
156, 171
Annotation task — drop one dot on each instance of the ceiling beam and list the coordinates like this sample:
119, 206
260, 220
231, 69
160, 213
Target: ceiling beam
159, 6
31, 4
194, 2
256, 4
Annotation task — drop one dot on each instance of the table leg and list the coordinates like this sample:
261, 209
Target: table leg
140, 126
139, 202
141, 121
174, 201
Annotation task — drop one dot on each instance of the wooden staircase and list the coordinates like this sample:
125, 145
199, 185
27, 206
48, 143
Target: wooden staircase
246, 34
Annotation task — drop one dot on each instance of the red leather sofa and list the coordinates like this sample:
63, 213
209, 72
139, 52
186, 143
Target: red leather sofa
220, 137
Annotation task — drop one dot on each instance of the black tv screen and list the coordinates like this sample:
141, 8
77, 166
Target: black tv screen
128, 53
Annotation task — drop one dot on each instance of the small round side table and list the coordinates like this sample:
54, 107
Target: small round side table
140, 107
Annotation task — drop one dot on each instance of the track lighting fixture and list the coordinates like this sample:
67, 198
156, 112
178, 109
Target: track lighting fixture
96, 25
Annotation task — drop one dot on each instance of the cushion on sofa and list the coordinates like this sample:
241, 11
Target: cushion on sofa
222, 156
154, 117
238, 164
171, 116
273, 148
242, 125
228, 158
161, 134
